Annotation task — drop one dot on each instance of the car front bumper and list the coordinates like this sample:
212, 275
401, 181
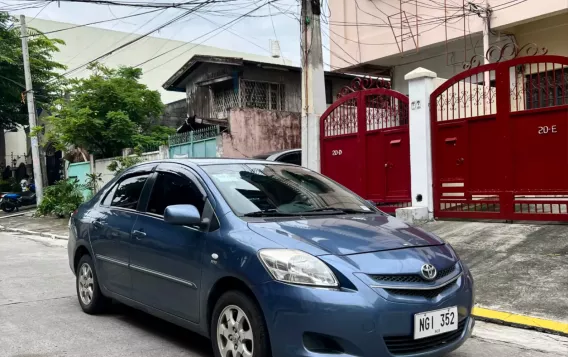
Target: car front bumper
317, 322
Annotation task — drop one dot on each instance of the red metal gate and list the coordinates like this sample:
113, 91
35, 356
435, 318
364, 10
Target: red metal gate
500, 141
365, 145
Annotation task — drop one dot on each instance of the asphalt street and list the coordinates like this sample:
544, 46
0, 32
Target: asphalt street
40, 316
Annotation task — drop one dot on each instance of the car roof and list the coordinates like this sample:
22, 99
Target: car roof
276, 153
217, 161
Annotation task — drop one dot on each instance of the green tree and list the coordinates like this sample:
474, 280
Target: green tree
106, 112
45, 71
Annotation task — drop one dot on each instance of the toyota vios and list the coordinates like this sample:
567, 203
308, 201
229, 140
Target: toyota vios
268, 259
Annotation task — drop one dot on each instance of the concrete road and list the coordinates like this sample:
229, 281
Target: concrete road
40, 316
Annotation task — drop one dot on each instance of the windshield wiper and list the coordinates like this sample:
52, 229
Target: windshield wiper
265, 213
330, 210
333, 210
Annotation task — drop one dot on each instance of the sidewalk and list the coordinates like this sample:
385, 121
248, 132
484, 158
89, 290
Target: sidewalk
43, 225
518, 268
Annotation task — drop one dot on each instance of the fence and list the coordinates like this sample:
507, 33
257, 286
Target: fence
196, 143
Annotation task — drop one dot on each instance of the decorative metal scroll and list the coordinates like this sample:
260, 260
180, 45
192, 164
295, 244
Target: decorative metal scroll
496, 54
363, 83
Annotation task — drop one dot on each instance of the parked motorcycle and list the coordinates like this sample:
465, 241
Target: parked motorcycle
13, 201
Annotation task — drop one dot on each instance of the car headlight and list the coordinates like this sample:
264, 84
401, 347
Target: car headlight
297, 267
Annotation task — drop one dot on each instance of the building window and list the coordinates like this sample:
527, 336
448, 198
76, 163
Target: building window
328, 92
262, 95
546, 89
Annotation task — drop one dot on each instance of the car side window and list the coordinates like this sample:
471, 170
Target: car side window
127, 192
170, 189
293, 158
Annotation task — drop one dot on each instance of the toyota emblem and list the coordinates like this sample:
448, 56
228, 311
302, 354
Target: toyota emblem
428, 272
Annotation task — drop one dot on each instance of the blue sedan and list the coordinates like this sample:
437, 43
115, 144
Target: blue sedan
268, 259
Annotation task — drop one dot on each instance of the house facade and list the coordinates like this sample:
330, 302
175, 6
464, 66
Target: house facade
257, 105
83, 44
394, 37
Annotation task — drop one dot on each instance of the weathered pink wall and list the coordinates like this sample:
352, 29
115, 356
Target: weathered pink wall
256, 131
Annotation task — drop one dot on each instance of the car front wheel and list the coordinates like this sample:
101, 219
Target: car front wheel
238, 328
90, 297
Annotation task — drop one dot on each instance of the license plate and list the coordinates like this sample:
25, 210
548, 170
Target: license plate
432, 323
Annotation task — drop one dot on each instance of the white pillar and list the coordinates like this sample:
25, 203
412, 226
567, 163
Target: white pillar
420, 86
164, 151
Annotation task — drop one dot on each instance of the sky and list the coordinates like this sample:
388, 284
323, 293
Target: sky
279, 20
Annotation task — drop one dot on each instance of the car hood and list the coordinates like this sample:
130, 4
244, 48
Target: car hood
344, 234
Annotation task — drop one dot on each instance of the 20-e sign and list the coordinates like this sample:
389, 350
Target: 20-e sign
543, 130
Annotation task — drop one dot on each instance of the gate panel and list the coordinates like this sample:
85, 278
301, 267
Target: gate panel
512, 118
376, 171
397, 164
365, 146
467, 146
539, 133
339, 143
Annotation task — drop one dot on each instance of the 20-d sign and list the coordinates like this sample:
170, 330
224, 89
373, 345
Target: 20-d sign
542, 130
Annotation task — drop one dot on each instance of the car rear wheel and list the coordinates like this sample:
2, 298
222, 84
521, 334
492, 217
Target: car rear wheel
238, 328
90, 297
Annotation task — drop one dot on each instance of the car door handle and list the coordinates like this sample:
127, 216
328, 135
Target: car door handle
138, 234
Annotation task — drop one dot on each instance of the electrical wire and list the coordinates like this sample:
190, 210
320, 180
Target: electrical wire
90, 23
186, 13
39, 12
222, 28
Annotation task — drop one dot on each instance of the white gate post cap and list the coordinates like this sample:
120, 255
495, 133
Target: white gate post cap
420, 73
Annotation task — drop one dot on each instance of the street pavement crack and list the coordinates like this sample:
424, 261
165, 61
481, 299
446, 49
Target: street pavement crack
39, 300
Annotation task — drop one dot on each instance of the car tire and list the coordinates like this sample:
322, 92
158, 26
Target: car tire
251, 334
91, 299
8, 207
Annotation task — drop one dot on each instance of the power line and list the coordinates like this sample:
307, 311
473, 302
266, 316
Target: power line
199, 37
135, 4
92, 23
137, 38
39, 12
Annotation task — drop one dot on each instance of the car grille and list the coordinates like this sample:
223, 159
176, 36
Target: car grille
428, 294
411, 278
400, 345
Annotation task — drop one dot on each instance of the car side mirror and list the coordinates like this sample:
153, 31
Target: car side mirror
182, 215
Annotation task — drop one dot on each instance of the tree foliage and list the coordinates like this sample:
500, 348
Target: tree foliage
45, 71
106, 112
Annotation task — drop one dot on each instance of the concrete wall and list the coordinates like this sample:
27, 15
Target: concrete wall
106, 174
255, 131
175, 114
369, 41
549, 33
15, 143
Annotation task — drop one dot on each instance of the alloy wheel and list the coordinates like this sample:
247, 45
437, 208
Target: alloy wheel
234, 333
86, 284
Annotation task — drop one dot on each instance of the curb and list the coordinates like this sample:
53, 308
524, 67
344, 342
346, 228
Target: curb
41, 234
523, 321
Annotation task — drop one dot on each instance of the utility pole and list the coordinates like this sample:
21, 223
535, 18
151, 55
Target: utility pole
486, 29
36, 160
313, 83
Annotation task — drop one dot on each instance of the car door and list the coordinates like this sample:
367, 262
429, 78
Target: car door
165, 259
111, 226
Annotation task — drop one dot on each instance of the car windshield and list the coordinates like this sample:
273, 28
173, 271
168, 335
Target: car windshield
272, 189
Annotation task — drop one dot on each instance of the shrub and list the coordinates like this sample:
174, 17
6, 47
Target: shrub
61, 199
10, 185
